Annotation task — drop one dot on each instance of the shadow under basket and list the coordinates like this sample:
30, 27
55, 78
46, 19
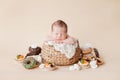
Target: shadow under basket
49, 54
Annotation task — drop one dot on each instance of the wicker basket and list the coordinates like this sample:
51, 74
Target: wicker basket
49, 54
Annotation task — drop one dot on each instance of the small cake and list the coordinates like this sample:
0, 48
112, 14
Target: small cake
99, 61
83, 63
48, 66
93, 63
74, 67
19, 57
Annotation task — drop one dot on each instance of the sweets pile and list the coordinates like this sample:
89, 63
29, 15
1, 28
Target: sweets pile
90, 58
33, 59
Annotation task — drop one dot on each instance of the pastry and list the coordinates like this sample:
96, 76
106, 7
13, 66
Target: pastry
19, 57
48, 66
30, 63
33, 50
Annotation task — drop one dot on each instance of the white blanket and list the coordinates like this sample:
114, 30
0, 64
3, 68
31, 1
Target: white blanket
67, 49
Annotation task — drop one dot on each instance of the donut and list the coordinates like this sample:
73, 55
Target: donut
99, 61
29, 63
33, 50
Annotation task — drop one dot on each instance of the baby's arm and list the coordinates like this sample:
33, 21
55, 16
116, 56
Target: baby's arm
49, 38
69, 40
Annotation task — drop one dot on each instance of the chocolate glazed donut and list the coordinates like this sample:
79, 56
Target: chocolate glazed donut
33, 51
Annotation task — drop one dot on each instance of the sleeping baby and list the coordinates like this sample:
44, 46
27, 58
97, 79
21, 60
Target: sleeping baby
60, 48
59, 33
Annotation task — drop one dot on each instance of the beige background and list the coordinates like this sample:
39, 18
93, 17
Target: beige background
26, 22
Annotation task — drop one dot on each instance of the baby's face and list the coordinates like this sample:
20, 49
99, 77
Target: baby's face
59, 33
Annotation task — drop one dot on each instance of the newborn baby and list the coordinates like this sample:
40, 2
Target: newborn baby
59, 47
59, 33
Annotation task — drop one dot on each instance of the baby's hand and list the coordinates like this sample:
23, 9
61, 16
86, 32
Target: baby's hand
69, 40
58, 41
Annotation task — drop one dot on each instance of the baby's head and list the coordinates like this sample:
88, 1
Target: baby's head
59, 30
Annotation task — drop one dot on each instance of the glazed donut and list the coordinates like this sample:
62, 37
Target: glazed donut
33, 50
29, 63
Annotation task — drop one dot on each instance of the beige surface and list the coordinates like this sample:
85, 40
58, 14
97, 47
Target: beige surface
24, 22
